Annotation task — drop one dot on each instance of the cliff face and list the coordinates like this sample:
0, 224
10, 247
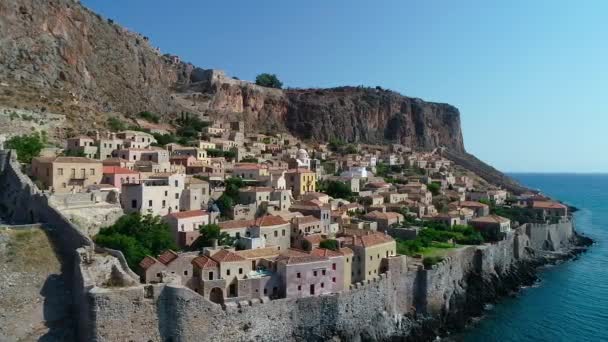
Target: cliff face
373, 115
62, 57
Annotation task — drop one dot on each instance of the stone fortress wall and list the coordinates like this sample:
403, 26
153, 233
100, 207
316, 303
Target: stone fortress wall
379, 310
110, 306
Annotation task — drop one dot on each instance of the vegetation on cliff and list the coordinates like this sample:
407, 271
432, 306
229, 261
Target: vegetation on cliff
268, 80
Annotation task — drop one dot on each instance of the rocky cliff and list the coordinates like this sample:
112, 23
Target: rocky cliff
59, 56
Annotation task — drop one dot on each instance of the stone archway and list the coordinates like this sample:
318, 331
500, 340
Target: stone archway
216, 295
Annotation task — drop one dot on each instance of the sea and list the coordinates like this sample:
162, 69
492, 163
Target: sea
570, 301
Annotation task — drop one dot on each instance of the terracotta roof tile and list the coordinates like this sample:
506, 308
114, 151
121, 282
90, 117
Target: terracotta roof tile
548, 205
167, 257
490, 219
118, 170
147, 262
188, 214
204, 262
324, 252
225, 255
267, 252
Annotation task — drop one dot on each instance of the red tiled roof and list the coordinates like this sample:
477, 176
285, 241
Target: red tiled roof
269, 220
167, 257
324, 252
248, 166
188, 214
314, 238
369, 240
292, 256
234, 224
225, 255
490, 219
258, 253
548, 205
473, 204
118, 170
306, 219
146, 262
203, 262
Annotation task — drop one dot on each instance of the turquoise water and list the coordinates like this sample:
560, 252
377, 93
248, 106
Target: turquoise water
570, 303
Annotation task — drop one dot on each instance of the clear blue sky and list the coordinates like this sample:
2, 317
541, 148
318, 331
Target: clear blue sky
530, 77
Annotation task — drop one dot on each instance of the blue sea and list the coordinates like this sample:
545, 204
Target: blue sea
570, 303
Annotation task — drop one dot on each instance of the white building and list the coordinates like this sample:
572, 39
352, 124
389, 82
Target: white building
157, 195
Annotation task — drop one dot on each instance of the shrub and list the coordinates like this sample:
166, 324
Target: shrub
148, 116
329, 244
434, 188
268, 80
116, 124
428, 262
136, 236
27, 146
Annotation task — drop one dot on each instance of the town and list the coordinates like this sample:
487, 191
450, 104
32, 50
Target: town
237, 215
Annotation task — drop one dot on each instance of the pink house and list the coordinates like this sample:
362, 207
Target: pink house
117, 176
306, 275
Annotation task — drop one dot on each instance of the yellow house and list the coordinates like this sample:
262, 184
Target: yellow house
300, 181
67, 174
369, 250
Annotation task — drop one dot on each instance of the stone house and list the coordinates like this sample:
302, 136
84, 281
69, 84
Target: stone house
384, 219
274, 230
316, 209
480, 209
394, 197
67, 174
117, 176
369, 251
492, 227
300, 181
185, 225
179, 264
546, 210
160, 194
136, 138
195, 195
305, 275
84, 145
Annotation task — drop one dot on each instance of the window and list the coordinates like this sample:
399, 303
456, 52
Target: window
92, 172
347, 260
370, 257
228, 272
133, 203
333, 266
314, 273
210, 275
298, 275
176, 183
299, 287
265, 291
164, 204
60, 171
150, 203
185, 273
283, 232
276, 233
333, 280
73, 173
166, 193
240, 271
322, 285
323, 272
176, 196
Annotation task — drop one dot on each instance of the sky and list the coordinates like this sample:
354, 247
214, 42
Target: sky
530, 78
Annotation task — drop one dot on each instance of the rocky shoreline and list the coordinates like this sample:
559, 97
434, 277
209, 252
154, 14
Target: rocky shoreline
482, 290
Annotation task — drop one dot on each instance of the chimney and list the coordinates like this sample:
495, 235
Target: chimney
214, 243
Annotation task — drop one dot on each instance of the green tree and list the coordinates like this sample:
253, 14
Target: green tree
335, 189
249, 159
27, 146
434, 188
330, 244
212, 232
268, 80
136, 236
